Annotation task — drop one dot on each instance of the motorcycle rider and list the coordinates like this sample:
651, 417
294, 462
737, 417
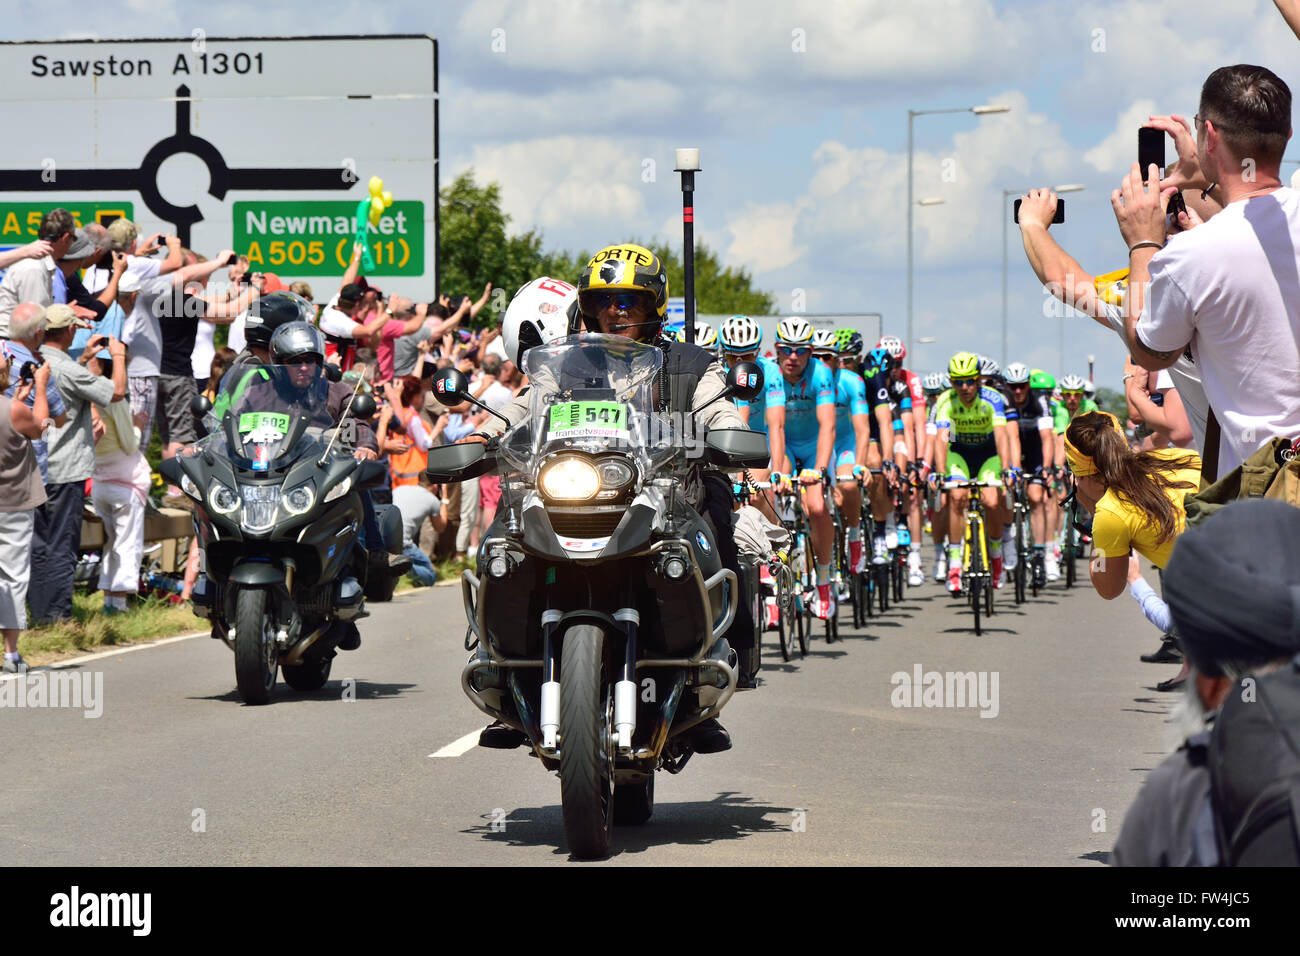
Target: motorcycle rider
264, 317
624, 291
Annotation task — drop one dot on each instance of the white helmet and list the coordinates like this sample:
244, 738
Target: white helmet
988, 367
894, 346
541, 312
794, 331
824, 341
705, 336
1017, 373
740, 333
1072, 383
933, 382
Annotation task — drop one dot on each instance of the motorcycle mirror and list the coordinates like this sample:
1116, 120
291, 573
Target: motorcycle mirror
363, 407
333, 372
745, 381
450, 387
200, 406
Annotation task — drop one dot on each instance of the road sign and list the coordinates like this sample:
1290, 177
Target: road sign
197, 135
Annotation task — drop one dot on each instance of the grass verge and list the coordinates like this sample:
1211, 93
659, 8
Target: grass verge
90, 629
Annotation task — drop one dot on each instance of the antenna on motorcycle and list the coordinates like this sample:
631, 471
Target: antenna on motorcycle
688, 164
346, 412
450, 387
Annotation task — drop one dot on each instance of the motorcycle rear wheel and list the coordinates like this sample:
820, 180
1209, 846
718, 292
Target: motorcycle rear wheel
586, 765
256, 656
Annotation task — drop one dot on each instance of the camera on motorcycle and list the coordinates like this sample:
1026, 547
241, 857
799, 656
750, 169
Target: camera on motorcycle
745, 381
200, 406
363, 407
450, 386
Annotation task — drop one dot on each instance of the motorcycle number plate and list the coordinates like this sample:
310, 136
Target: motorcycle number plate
263, 427
587, 420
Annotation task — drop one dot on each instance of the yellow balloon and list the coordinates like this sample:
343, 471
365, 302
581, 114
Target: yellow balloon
376, 186
388, 198
374, 217
376, 207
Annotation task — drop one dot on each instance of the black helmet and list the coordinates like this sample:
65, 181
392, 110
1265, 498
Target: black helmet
272, 311
296, 339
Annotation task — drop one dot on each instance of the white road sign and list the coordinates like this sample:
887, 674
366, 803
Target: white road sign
265, 145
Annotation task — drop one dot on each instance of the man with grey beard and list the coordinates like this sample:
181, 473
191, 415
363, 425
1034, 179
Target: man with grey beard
1233, 587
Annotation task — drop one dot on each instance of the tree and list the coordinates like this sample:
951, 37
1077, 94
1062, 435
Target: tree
476, 249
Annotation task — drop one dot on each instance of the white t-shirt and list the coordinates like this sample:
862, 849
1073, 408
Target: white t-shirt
335, 322
1231, 288
205, 349
498, 347
416, 504
496, 396
142, 331
1184, 376
142, 267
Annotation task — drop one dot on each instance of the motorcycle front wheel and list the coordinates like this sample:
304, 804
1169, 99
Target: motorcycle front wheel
586, 765
256, 655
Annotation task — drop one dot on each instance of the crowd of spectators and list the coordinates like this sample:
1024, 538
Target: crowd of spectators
106, 338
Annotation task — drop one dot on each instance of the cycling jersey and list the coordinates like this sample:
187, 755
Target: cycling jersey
771, 386
992, 396
801, 399
1035, 416
970, 425
1062, 416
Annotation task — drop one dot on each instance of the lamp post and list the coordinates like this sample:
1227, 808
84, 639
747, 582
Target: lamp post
911, 117
1068, 188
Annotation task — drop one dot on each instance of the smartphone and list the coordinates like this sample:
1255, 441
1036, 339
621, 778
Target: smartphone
1059, 217
234, 257
1151, 149
1176, 205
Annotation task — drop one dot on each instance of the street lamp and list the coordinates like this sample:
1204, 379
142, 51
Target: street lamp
1068, 188
923, 340
911, 117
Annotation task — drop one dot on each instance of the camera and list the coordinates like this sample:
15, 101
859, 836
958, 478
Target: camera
28, 372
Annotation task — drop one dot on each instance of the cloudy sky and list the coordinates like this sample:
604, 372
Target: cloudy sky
800, 113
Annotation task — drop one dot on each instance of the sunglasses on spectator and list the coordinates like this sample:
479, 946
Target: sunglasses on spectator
964, 382
623, 301
798, 352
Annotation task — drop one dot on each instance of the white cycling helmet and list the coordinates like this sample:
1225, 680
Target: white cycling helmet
988, 367
540, 312
794, 331
1089, 390
705, 335
1017, 374
824, 341
740, 333
1072, 383
933, 382
894, 346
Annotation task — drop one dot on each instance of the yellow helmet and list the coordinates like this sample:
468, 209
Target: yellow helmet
626, 266
964, 365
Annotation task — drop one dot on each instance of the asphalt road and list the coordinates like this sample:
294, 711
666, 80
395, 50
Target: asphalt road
825, 769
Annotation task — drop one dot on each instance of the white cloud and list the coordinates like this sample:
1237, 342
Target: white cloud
762, 237
1117, 152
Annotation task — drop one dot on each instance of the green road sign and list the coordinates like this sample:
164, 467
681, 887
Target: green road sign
315, 238
20, 221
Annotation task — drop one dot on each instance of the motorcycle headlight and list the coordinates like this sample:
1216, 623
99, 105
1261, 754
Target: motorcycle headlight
614, 472
569, 479
338, 491
222, 499
299, 500
190, 488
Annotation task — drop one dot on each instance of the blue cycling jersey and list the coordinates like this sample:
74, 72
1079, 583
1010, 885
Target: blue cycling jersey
771, 386
801, 399
850, 400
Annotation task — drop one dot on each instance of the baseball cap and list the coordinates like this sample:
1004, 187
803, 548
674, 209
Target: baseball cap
351, 292
273, 283
130, 282
122, 232
81, 247
60, 316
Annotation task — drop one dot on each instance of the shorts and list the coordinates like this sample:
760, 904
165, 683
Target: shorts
489, 491
801, 456
960, 458
176, 416
143, 391
845, 454
16, 529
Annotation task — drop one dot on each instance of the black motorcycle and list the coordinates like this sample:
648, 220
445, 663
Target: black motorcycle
278, 511
597, 614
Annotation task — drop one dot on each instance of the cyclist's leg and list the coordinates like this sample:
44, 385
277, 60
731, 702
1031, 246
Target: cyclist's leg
994, 514
957, 498
850, 502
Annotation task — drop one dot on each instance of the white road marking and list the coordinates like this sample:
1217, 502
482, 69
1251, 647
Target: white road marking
459, 747
74, 661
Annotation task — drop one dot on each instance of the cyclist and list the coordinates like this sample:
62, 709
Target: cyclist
706, 337
991, 378
898, 352
740, 338
1037, 457
971, 442
894, 448
935, 385
801, 435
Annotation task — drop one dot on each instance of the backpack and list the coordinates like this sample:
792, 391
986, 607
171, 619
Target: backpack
1273, 471
1254, 760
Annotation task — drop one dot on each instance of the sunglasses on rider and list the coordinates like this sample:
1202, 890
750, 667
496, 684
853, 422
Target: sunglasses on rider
964, 382
785, 351
623, 301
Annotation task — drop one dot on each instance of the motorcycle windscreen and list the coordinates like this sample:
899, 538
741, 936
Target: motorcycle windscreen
277, 414
588, 393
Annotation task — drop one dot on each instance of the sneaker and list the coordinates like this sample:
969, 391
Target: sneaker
1010, 557
857, 559
997, 572
879, 550
891, 537
940, 570
16, 667
1052, 570
915, 576
1040, 572
954, 580
824, 603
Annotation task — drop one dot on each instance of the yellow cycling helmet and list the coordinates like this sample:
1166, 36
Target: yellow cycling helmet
964, 365
629, 267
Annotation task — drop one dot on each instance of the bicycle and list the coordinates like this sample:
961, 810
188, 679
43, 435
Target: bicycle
1077, 535
840, 571
802, 562
1023, 575
977, 574
898, 560
789, 620
863, 585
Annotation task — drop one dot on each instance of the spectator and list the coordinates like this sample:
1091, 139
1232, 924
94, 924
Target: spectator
33, 250
71, 262
221, 363
122, 238
21, 493
462, 421
497, 392
401, 317
119, 494
1228, 287
238, 280
437, 325
418, 505
111, 325
163, 298
266, 283
32, 279
75, 294
27, 326
301, 288
338, 319
404, 405
1232, 586
1062, 275
1153, 401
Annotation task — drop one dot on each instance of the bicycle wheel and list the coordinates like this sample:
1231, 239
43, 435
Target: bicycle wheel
786, 612
1067, 548
881, 571
1022, 559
